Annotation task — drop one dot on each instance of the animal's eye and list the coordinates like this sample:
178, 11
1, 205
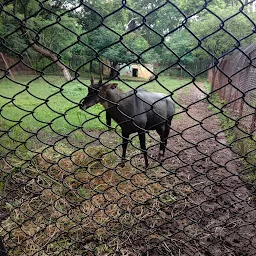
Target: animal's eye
90, 91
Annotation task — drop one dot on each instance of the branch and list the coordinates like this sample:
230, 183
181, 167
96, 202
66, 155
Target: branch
48, 54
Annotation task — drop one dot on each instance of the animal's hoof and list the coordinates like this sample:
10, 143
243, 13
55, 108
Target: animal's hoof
160, 158
122, 164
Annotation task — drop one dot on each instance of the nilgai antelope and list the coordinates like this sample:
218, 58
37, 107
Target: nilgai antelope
135, 111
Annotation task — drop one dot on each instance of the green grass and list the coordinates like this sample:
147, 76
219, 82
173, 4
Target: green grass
47, 108
36, 103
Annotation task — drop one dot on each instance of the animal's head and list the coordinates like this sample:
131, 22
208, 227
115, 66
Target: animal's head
96, 93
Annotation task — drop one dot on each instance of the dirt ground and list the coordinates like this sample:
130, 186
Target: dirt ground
206, 209
216, 215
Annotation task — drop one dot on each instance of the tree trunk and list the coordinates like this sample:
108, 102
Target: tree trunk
50, 55
40, 49
113, 72
14, 7
100, 68
90, 66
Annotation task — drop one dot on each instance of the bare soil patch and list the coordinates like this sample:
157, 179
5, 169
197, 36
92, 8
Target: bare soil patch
214, 213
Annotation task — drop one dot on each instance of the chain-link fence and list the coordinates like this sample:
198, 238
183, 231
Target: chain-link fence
187, 183
235, 83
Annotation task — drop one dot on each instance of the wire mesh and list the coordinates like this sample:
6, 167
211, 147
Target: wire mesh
63, 191
240, 93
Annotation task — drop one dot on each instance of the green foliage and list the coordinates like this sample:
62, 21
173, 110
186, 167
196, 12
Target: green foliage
216, 40
107, 43
189, 7
101, 38
13, 41
181, 42
100, 29
118, 53
62, 41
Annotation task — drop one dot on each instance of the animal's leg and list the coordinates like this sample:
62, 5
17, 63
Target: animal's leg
166, 134
124, 147
108, 119
164, 137
142, 138
161, 131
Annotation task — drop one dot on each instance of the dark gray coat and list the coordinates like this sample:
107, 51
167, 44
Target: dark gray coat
140, 110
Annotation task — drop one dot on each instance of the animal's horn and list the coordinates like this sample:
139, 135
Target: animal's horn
92, 80
101, 79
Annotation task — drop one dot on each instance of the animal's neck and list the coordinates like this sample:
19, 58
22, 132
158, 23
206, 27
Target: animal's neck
113, 96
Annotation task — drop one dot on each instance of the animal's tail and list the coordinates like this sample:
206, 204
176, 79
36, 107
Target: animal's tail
169, 120
171, 109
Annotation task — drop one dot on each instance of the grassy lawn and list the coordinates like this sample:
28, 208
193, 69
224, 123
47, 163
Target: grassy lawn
49, 106
37, 103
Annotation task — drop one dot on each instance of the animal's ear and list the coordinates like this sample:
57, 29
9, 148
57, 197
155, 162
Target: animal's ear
108, 86
112, 86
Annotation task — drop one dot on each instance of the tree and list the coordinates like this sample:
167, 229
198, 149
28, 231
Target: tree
130, 49
180, 44
71, 32
55, 38
34, 19
218, 40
